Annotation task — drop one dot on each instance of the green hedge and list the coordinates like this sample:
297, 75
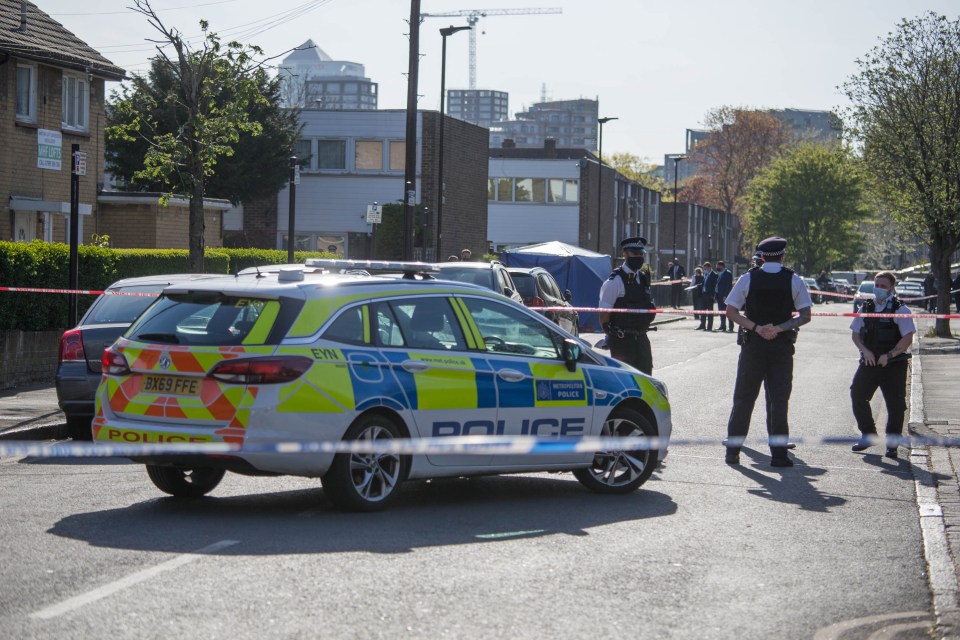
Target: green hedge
43, 265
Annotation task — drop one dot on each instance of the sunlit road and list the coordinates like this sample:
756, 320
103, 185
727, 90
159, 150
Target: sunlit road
704, 550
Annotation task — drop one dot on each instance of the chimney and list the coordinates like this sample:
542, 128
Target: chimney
23, 16
508, 143
550, 148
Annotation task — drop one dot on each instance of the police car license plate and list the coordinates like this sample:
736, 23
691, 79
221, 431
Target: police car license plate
172, 385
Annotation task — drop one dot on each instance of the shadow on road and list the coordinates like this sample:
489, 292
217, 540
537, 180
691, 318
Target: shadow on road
426, 514
792, 485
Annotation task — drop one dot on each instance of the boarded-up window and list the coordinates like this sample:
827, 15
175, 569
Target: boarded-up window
369, 155
398, 155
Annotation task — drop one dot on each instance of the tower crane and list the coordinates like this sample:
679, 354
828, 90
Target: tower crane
473, 16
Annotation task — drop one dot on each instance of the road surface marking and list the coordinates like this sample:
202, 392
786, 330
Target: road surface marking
99, 593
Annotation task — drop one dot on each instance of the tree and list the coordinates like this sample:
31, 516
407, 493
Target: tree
213, 91
635, 168
259, 166
740, 143
813, 195
905, 112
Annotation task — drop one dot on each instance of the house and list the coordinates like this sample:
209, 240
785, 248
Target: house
51, 98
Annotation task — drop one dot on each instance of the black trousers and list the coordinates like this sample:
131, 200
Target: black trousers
722, 306
706, 304
634, 349
892, 382
768, 363
676, 291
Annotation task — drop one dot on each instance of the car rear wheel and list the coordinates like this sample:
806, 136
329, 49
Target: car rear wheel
366, 481
621, 472
185, 483
79, 427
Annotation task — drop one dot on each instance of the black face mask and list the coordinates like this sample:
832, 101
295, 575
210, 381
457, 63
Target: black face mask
635, 262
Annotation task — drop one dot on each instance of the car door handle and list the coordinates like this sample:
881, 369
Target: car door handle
414, 366
511, 375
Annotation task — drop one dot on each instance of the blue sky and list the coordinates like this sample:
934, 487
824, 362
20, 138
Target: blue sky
657, 66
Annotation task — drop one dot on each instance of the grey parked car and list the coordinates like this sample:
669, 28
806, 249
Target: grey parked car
490, 275
81, 348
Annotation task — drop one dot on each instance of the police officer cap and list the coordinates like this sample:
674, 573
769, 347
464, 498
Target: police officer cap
773, 246
634, 243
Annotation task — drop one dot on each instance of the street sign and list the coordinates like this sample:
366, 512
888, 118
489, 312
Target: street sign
296, 174
80, 163
374, 214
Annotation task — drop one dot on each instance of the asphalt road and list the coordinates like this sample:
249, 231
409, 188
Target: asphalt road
830, 548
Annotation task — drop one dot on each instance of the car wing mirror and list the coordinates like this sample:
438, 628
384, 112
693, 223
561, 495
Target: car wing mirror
571, 353
507, 291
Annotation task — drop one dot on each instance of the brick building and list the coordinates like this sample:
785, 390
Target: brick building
51, 97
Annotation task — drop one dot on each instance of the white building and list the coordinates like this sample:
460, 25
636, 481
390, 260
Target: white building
314, 80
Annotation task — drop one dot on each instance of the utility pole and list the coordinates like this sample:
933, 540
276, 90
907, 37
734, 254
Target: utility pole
410, 163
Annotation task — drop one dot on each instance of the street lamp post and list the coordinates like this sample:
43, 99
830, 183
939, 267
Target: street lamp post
446, 31
676, 161
601, 122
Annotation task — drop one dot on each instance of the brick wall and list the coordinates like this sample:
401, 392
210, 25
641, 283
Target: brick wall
466, 145
153, 226
260, 223
28, 357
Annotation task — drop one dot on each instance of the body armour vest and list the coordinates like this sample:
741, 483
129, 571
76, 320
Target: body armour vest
770, 299
880, 335
636, 296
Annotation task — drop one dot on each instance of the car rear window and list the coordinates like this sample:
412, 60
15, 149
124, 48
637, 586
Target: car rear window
121, 309
526, 286
210, 319
482, 277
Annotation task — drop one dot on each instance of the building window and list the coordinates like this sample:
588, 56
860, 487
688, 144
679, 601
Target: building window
303, 150
573, 191
555, 192
26, 93
491, 188
524, 190
504, 189
331, 154
398, 155
368, 155
76, 102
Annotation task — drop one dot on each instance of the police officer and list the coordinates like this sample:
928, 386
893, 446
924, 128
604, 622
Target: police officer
884, 345
769, 294
628, 287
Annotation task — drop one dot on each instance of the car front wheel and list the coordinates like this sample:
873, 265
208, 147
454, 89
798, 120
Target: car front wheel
185, 483
618, 472
366, 481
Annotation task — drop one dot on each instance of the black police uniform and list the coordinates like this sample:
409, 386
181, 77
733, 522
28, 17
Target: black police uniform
880, 335
627, 332
765, 362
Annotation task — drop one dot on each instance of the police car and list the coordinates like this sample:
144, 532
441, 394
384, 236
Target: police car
309, 355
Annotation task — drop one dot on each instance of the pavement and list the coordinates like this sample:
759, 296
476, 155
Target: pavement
31, 413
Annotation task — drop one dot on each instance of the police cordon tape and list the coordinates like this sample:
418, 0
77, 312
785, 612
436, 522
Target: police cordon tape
695, 312
459, 445
86, 292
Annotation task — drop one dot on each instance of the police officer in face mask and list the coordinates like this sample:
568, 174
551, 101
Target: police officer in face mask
628, 288
884, 345
762, 302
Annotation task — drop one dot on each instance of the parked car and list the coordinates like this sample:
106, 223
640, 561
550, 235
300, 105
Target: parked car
864, 293
908, 289
490, 275
81, 348
814, 289
261, 362
841, 285
539, 289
